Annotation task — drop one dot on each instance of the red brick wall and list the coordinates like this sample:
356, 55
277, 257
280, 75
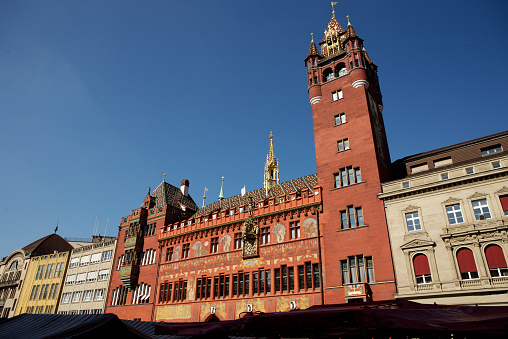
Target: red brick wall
371, 240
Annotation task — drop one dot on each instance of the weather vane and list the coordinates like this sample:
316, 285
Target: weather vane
333, 9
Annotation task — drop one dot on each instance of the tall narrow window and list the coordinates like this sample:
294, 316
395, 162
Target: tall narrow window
185, 251
238, 240
294, 229
351, 217
496, 261
340, 119
343, 145
422, 269
467, 264
214, 247
347, 176
265, 235
337, 95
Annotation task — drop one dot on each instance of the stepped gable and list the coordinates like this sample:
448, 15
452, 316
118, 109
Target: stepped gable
284, 188
48, 244
166, 194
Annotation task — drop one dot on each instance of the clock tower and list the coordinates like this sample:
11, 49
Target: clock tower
352, 160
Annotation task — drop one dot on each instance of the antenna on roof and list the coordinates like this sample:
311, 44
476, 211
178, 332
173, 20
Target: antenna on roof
56, 228
106, 227
95, 226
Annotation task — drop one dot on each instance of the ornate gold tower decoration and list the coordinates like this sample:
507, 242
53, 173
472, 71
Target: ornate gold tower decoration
271, 168
250, 233
334, 36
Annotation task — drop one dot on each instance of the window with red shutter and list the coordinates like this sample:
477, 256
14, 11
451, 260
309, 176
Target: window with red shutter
422, 269
496, 261
467, 264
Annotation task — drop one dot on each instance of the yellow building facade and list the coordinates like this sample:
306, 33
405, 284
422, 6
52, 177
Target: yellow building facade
43, 284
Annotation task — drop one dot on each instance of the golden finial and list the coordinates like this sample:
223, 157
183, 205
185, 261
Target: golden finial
164, 180
348, 23
312, 36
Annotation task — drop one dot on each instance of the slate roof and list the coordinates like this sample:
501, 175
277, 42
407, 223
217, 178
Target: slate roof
166, 194
284, 188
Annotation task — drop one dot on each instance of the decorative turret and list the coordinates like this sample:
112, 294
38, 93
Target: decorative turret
271, 168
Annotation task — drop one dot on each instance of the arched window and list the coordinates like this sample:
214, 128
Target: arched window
496, 261
340, 69
422, 269
328, 74
467, 264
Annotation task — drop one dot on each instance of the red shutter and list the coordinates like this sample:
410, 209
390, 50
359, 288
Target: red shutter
421, 264
495, 257
504, 202
466, 261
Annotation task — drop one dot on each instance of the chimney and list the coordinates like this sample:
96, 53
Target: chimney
185, 187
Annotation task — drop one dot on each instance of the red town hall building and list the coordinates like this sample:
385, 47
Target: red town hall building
319, 239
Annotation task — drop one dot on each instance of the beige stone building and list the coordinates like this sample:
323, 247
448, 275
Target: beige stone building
447, 217
13, 269
87, 279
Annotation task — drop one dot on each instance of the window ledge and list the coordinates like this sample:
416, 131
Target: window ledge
340, 124
338, 188
353, 228
343, 152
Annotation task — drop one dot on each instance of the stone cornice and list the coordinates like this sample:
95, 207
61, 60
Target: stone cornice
441, 185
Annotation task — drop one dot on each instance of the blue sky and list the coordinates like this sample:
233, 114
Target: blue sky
98, 99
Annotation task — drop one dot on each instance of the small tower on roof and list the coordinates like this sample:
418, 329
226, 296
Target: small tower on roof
271, 168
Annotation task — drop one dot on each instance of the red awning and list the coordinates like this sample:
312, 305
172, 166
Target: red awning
495, 257
466, 260
421, 264
504, 202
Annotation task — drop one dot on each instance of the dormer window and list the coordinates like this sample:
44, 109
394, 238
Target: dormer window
491, 150
232, 211
214, 216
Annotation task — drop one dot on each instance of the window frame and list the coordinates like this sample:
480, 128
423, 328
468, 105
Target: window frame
413, 218
454, 213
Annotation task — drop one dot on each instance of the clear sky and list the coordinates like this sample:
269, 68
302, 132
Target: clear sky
98, 99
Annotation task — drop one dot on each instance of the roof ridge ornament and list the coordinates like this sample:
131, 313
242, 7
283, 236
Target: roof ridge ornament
333, 9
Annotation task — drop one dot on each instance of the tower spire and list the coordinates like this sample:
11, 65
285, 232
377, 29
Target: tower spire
271, 168
221, 194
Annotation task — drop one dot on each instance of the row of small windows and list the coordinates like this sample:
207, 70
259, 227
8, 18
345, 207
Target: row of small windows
40, 292
91, 259
258, 282
467, 266
93, 311
264, 237
44, 272
357, 269
48, 309
87, 277
347, 176
231, 211
448, 161
83, 296
454, 213
148, 257
445, 176
142, 230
